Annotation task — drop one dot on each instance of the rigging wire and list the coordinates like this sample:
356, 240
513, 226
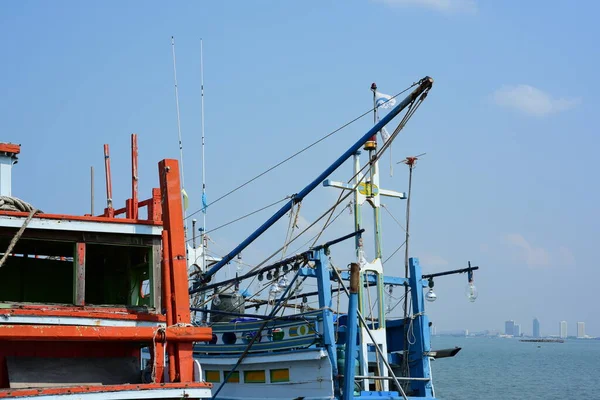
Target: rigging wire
412, 108
395, 251
245, 216
296, 154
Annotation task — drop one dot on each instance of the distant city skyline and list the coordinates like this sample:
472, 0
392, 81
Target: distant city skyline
562, 329
513, 328
581, 329
536, 328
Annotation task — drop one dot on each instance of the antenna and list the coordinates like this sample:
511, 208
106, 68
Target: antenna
92, 190
179, 130
202, 124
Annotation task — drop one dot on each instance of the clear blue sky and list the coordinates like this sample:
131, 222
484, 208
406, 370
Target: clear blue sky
509, 180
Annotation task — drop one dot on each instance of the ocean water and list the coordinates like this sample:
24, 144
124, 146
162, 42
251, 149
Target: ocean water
494, 369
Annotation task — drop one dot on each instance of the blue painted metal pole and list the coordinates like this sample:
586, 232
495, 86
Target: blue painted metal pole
352, 331
424, 85
418, 358
325, 304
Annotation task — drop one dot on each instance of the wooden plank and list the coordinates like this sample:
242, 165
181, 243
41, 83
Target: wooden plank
38, 372
156, 274
79, 275
87, 237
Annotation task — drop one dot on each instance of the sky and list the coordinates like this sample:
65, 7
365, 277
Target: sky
509, 176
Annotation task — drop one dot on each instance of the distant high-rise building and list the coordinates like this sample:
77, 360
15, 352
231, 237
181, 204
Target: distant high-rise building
509, 327
581, 329
562, 329
536, 328
517, 330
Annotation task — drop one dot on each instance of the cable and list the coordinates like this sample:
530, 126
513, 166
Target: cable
244, 216
296, 154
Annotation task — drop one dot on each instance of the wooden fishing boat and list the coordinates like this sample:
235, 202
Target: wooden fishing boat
81, 295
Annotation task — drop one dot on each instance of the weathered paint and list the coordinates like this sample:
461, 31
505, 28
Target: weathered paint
168, 299
10, 148
50, 333
80, 223
147, 391
79, 275
173, 223
87, 312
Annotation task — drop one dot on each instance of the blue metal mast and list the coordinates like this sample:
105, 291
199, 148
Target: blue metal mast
423, 85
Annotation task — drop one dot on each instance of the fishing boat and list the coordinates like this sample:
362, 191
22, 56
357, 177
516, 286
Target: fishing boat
80, 296
292, 351
118, 306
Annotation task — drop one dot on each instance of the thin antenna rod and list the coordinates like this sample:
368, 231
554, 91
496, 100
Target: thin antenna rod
202, 116
109, 204
92, 190
410, 161
178, 125
134, 176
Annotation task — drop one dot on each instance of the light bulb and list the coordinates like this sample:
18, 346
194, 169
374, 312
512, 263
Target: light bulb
216, 300
471, 292
430, 296
283, 283
274, 289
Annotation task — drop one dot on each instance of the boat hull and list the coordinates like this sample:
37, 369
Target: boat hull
295, 374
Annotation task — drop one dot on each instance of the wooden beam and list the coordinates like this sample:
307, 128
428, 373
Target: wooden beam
79, 275
61, 333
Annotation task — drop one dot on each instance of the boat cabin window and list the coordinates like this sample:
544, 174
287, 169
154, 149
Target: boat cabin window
82, 273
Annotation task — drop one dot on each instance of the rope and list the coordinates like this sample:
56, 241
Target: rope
8, 203
15, 239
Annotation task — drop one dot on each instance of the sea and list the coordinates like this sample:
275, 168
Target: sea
491, 368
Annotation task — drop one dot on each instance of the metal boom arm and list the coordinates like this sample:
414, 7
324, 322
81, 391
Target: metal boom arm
424, 85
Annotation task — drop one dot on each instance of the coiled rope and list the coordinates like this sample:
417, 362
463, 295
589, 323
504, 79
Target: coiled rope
8, 203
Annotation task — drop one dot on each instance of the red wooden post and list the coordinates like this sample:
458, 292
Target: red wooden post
159, 362
134, 177
173, 224
167, 299
154, 207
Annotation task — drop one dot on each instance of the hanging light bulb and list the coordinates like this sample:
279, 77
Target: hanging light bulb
430, 295
283, 283
471, 292
239, 264
274, 289
216, 300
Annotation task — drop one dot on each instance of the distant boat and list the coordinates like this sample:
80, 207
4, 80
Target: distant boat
542, 340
